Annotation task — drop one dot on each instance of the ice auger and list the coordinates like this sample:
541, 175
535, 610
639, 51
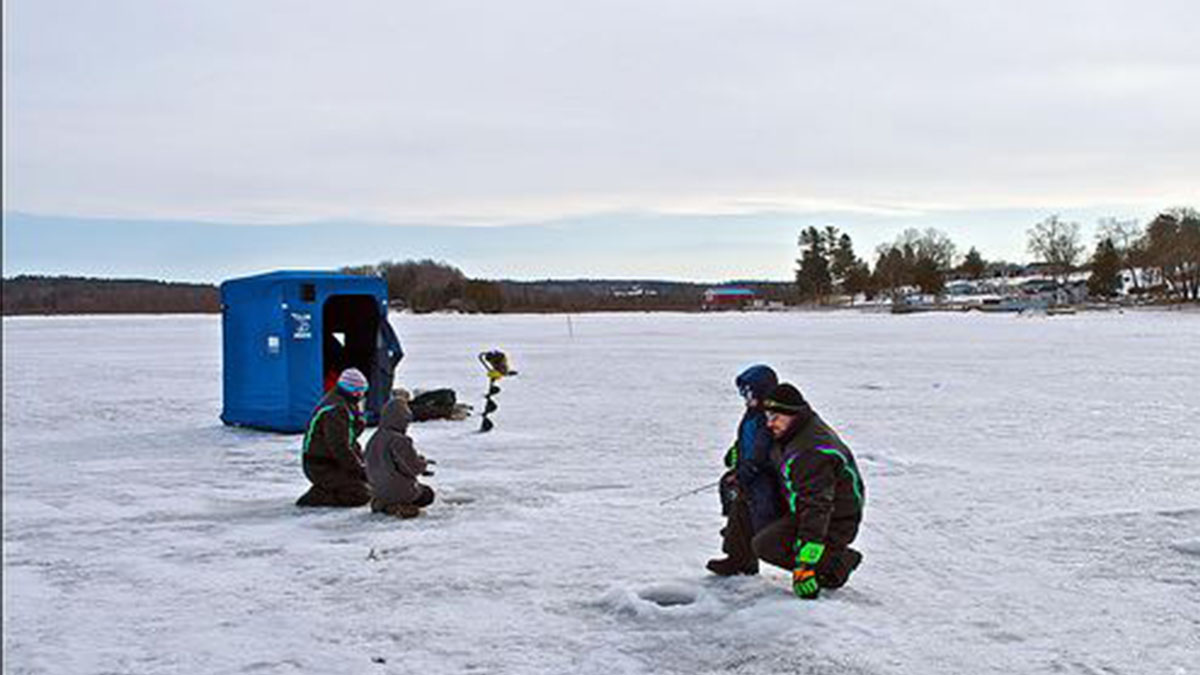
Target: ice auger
496, 364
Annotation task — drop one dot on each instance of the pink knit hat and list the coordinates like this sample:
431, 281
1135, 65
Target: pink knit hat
353, 382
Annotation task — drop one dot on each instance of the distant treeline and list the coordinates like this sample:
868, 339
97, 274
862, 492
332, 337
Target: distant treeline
1159, 260
419, 286
80, 295
429, 286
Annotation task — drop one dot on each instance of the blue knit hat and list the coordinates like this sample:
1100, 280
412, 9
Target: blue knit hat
353, 382
757, 380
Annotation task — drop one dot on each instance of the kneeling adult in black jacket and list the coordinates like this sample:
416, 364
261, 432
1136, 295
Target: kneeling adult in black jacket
823, 489
333, 459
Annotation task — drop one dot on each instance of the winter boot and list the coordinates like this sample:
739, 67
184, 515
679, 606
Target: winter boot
404, 510
727, 567
835, 570
397, 510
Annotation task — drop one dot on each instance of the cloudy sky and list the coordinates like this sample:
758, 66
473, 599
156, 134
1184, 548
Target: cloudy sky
685, 139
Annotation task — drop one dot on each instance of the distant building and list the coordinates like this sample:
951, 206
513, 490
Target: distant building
634, 292
727, 298
764, 305
961, 288
1038, 286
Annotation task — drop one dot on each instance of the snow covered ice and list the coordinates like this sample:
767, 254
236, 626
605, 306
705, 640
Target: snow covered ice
1034, 503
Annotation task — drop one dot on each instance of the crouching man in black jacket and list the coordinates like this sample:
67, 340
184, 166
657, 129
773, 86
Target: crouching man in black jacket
820, 483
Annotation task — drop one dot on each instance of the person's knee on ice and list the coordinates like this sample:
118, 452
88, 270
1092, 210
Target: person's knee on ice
314, 496
346, 495
837, 566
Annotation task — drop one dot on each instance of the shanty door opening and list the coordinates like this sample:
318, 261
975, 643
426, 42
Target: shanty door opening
350, 324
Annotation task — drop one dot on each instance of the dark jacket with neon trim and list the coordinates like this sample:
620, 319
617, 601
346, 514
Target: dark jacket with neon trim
332, 456
819, 481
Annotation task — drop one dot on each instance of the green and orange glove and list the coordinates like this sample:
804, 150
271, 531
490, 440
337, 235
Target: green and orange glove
731, 456
804, 576
804, 583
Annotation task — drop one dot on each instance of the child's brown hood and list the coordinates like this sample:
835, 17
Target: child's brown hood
395, 416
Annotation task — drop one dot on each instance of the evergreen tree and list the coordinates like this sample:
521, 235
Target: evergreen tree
813, 281
858, 280
842, 259
1128, 238
973, 265
892, 268
1106, 270
850, 274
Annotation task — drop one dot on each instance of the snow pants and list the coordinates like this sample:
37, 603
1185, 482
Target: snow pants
738, 534
424, 498
776, 544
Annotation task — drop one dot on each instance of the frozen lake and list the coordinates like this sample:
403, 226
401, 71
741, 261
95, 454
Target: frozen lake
1034, 503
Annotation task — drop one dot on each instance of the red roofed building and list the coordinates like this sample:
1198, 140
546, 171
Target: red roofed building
727, 298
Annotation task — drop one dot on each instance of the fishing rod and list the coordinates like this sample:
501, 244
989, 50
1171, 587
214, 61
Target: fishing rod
689, 492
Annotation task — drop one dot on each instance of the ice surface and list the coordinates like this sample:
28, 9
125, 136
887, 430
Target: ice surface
1034, 503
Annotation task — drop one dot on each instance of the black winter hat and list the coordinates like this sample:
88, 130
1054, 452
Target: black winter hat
785, 399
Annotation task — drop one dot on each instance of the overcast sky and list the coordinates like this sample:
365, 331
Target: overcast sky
737, 123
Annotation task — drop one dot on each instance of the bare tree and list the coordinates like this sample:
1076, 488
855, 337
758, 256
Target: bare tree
1056, 243
935, 246
917, 258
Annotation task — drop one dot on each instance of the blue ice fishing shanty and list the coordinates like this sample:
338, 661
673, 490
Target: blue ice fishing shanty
287, 336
